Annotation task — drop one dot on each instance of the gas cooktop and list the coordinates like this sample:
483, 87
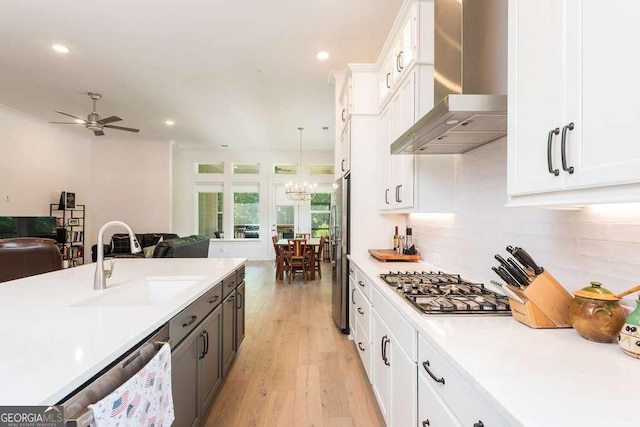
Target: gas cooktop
441, 293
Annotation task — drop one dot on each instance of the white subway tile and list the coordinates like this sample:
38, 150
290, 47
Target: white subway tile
624, 233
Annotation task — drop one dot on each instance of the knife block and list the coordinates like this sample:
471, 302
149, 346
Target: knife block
546, 303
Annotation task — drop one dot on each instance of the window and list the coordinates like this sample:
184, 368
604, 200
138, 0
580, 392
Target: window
285, 169
321, 170
320, 212
285, 220
210, 209
246, 212
252, 169
210, 168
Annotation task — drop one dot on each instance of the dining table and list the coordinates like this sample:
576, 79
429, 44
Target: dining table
284, 243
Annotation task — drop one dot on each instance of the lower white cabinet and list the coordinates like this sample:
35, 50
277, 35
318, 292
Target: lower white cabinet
394, 377
432, 411
455, 392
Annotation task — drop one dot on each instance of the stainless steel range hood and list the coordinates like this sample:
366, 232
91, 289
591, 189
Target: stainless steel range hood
470, 80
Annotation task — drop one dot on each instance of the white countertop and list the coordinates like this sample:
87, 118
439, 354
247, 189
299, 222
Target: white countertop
533, 377
48, 347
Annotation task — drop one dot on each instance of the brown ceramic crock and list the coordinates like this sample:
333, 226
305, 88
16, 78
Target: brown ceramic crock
595, 313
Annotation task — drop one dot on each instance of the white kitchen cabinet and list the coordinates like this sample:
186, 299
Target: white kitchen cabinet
568, 138
464, 403
432, 411
394, 376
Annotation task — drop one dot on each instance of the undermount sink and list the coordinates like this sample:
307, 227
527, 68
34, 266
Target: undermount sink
149, 291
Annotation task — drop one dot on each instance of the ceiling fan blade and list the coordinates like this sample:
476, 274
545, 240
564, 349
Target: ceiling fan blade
66, 123
122, 128
98, 133
109, 120
75, 117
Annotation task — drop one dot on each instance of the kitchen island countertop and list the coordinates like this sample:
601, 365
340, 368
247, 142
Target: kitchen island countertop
51, 344
532, 377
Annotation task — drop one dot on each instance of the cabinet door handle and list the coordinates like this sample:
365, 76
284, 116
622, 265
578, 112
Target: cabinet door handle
240, 301
386, 196
563, 148
388, 85
478, 424
398, 69
426, 365
360, 346
360, 283
426, 423
401, 60
382, 341
353, 299
214, 299
204, 345
398, 197
190, 321
386, 359
344, 110
342, 165
360, 311
206, 341
552, 132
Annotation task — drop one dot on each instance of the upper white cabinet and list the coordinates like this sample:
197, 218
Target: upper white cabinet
568, 137
409, 43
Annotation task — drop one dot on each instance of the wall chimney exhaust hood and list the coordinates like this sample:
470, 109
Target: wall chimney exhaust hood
470, 80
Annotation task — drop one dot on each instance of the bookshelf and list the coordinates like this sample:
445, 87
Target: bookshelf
70, 223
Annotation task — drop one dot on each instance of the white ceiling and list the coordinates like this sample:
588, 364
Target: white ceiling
242, 73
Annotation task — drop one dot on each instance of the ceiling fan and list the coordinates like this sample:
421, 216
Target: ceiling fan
93, 121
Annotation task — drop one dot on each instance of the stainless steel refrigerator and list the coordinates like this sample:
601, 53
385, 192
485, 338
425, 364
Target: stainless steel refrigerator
339, 233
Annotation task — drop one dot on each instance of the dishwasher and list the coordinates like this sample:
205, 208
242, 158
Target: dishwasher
76, 411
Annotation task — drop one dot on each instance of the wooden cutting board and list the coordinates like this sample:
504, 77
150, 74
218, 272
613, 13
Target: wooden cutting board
385, 255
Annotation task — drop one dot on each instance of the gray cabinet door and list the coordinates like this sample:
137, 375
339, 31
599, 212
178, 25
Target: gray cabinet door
184, 377
228, 331
210, 369
240, 307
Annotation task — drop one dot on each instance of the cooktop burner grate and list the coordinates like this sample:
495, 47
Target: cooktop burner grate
442, 293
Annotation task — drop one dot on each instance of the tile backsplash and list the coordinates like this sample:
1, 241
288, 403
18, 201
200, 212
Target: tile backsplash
596, 243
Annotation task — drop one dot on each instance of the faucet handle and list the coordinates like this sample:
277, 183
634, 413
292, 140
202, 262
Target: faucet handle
109, 271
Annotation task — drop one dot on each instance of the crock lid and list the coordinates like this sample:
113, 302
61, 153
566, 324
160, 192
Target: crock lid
596, 291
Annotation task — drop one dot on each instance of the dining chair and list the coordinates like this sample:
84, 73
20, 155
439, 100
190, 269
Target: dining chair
299, 261
317, 256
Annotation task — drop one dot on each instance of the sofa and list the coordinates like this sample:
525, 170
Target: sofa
155, 245
27, 256
119, 246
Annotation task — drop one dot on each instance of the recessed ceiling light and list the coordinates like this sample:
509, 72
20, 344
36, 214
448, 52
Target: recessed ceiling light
79, 121
322, 56
224, 145
60, 48
169, 122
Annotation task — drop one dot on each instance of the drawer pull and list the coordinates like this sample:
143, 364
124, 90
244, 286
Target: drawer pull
552, 171
360, 310
214, 299
563, 148
426, 365
478, 424
360, 283
190, 321
385, 341
360, 346
426, 423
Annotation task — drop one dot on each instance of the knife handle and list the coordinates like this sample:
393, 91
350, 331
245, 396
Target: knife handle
504, 275
518, 272
524, 257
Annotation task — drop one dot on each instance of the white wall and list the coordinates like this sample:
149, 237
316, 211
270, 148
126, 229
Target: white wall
597, 243
38, 160
185, 181
130, 182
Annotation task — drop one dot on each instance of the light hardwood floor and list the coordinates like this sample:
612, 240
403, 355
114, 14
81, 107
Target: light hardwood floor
294, 367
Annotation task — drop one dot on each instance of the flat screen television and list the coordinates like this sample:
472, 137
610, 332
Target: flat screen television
28, 226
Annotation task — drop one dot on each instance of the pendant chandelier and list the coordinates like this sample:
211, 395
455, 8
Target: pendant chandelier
298, 191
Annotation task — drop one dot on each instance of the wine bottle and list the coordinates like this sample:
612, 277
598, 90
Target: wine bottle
395, 240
